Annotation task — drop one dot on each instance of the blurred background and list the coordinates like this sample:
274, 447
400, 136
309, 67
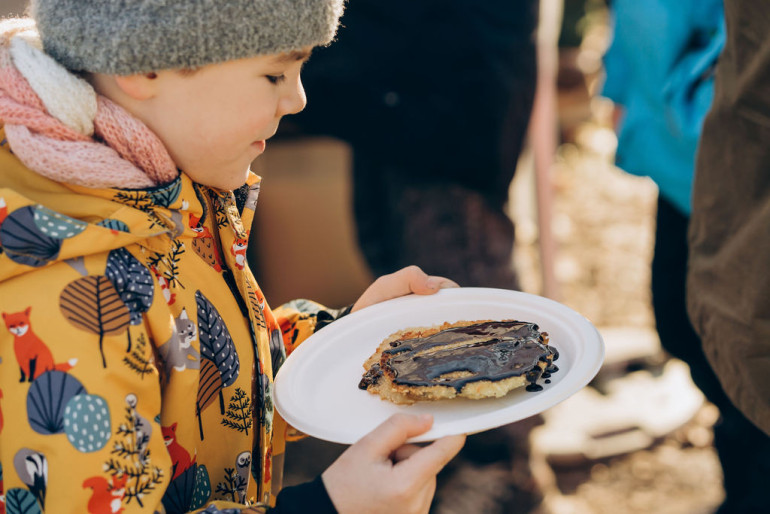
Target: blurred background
639, 438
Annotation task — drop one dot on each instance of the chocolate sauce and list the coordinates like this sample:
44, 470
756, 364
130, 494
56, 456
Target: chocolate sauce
493, 350
370, 377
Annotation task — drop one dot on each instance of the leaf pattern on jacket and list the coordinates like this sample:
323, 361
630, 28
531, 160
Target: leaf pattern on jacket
217, 349
94, 305
47, 399
132, 281
24, 242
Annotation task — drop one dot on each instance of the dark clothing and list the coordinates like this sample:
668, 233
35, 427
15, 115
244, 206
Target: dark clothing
743, 449
306, 497
445, 228
432, 86
434, 97
729, 275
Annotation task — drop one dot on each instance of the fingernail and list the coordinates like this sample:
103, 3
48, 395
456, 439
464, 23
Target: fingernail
433, 283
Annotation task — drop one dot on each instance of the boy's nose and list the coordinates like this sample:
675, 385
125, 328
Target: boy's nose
295, 100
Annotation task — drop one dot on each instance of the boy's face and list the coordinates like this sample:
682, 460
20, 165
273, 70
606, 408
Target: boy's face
214, 121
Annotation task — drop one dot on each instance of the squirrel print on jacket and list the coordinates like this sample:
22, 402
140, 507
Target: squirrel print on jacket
178, 353
179, 456
32, 353
106, 498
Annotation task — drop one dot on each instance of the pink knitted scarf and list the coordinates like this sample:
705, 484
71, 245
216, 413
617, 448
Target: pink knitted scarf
123, 152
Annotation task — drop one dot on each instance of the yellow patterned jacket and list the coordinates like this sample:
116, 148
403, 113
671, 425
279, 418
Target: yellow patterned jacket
137, 350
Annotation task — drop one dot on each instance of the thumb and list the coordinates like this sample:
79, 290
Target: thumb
393, 433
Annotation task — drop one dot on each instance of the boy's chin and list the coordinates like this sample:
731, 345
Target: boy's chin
223, 181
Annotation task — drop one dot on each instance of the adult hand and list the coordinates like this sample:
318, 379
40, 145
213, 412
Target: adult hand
403, 282
381, 474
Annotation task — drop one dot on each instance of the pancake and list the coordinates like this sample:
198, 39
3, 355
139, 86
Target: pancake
467, 359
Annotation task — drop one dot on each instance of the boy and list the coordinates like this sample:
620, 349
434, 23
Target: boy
138, 351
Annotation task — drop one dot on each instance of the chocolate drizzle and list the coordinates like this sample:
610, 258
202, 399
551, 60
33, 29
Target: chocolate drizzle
492, 350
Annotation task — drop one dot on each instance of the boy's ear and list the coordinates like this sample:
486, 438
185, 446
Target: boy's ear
141, 86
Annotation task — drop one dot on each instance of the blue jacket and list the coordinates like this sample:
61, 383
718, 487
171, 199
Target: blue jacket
660, 69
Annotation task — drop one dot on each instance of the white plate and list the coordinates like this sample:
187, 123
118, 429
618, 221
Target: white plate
316, 390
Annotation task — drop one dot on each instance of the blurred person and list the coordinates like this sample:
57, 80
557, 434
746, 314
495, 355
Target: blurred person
434, 98
659, 71
728, 284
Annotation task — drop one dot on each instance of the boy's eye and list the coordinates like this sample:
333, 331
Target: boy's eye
275, 79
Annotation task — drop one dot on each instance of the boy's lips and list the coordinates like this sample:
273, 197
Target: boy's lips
259, 145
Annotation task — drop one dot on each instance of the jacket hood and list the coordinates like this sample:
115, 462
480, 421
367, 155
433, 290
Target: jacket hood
43, 222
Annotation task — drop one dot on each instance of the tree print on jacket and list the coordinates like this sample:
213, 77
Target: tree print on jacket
236, 479
47, 400
87, 422
133, 282
32, 353
24, 243
167, 267
20, 501
131, 456
238, 415
180, 492
93, 304
202, 491
114, 225
220, 201
33, 235
56, 225
143, 201
140, 358
219, 359
167, 194
190, 490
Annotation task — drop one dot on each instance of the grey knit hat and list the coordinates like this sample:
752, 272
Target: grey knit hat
124, 37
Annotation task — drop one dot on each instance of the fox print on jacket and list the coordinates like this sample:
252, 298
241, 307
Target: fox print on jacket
32, 354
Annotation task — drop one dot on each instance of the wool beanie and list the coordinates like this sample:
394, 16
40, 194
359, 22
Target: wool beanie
125, 37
